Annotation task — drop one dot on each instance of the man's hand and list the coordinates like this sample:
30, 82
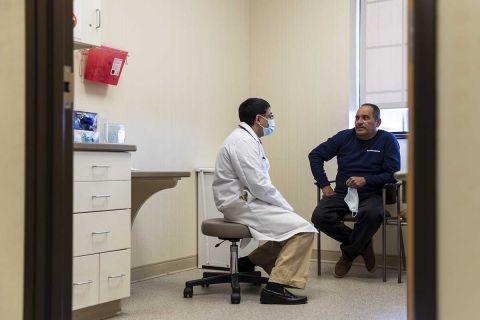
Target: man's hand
356, 182
328, 191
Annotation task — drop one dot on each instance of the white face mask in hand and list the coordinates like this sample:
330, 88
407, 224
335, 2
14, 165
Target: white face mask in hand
352, 201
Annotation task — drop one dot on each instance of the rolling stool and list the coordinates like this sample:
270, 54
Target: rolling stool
232, 232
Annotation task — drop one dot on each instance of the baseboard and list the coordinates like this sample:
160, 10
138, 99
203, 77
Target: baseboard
171, 266
99, 311
329, 256
165, 267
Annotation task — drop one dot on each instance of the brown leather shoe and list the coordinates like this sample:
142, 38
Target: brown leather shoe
369, 257
342, 267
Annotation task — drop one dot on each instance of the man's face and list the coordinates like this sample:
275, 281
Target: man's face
366, 125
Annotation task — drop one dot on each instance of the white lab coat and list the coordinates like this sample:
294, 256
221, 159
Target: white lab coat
244, 193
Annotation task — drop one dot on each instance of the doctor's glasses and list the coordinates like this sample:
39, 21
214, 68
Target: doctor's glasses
269, 116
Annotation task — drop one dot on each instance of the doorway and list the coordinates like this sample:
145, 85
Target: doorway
48, 187
48, 248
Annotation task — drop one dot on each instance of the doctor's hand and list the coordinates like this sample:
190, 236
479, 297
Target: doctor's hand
328, 191
356, 182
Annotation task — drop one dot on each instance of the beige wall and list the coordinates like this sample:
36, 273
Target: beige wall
301, 63
458, 165
178, 96
12, 104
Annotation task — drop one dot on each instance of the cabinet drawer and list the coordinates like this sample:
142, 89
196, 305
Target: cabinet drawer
101, 231
102, 195
99, 166
85, 281
114, 275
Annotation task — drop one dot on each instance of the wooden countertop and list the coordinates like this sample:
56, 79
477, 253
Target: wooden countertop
99, 147
159, 174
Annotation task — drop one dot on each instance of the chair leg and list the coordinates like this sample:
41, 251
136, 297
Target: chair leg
254, 277
319, 248
384, 248
384, 238
235, 296
233, 258
209, 274
319, 254
221, 278
399, 241
404, 260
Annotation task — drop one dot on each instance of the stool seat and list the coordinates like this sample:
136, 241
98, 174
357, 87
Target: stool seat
220, 228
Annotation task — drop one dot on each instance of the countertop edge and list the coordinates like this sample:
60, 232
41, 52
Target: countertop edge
160, 174
400, 175
104, 147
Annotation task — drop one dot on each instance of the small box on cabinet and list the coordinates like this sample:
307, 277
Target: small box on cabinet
114, 133
85, 127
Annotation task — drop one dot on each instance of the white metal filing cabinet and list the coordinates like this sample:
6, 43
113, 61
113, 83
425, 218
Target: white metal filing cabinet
101, 227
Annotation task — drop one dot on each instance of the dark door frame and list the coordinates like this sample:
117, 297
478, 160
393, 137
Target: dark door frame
48, 171
48, 200
425, 161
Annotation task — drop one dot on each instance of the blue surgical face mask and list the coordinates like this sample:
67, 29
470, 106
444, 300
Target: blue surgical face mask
271, 126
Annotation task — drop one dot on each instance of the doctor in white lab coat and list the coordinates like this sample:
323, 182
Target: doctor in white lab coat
244, 193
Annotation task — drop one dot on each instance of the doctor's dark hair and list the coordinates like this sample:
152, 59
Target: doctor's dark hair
375, 109
248, 110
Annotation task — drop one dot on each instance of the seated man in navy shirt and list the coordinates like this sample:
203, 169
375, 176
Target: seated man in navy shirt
367, 158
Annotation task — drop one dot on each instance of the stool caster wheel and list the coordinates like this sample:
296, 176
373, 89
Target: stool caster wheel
235, 298
188, 292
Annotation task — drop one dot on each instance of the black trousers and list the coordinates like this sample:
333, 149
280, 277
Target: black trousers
329, 212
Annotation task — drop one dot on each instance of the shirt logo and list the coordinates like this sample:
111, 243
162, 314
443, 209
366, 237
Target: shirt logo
372, 150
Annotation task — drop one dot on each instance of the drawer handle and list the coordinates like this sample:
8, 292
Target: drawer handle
117, 276
101, 196
99, 18
82, 283
100, 232
100, 166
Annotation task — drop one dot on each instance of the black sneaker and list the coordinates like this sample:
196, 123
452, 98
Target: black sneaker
285, 297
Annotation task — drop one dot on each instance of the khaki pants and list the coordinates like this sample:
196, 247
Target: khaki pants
287, 262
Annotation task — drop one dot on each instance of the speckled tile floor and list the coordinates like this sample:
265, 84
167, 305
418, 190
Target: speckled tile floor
360, 295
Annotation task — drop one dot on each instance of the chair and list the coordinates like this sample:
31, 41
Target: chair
346, 218
232, 232
390, 196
